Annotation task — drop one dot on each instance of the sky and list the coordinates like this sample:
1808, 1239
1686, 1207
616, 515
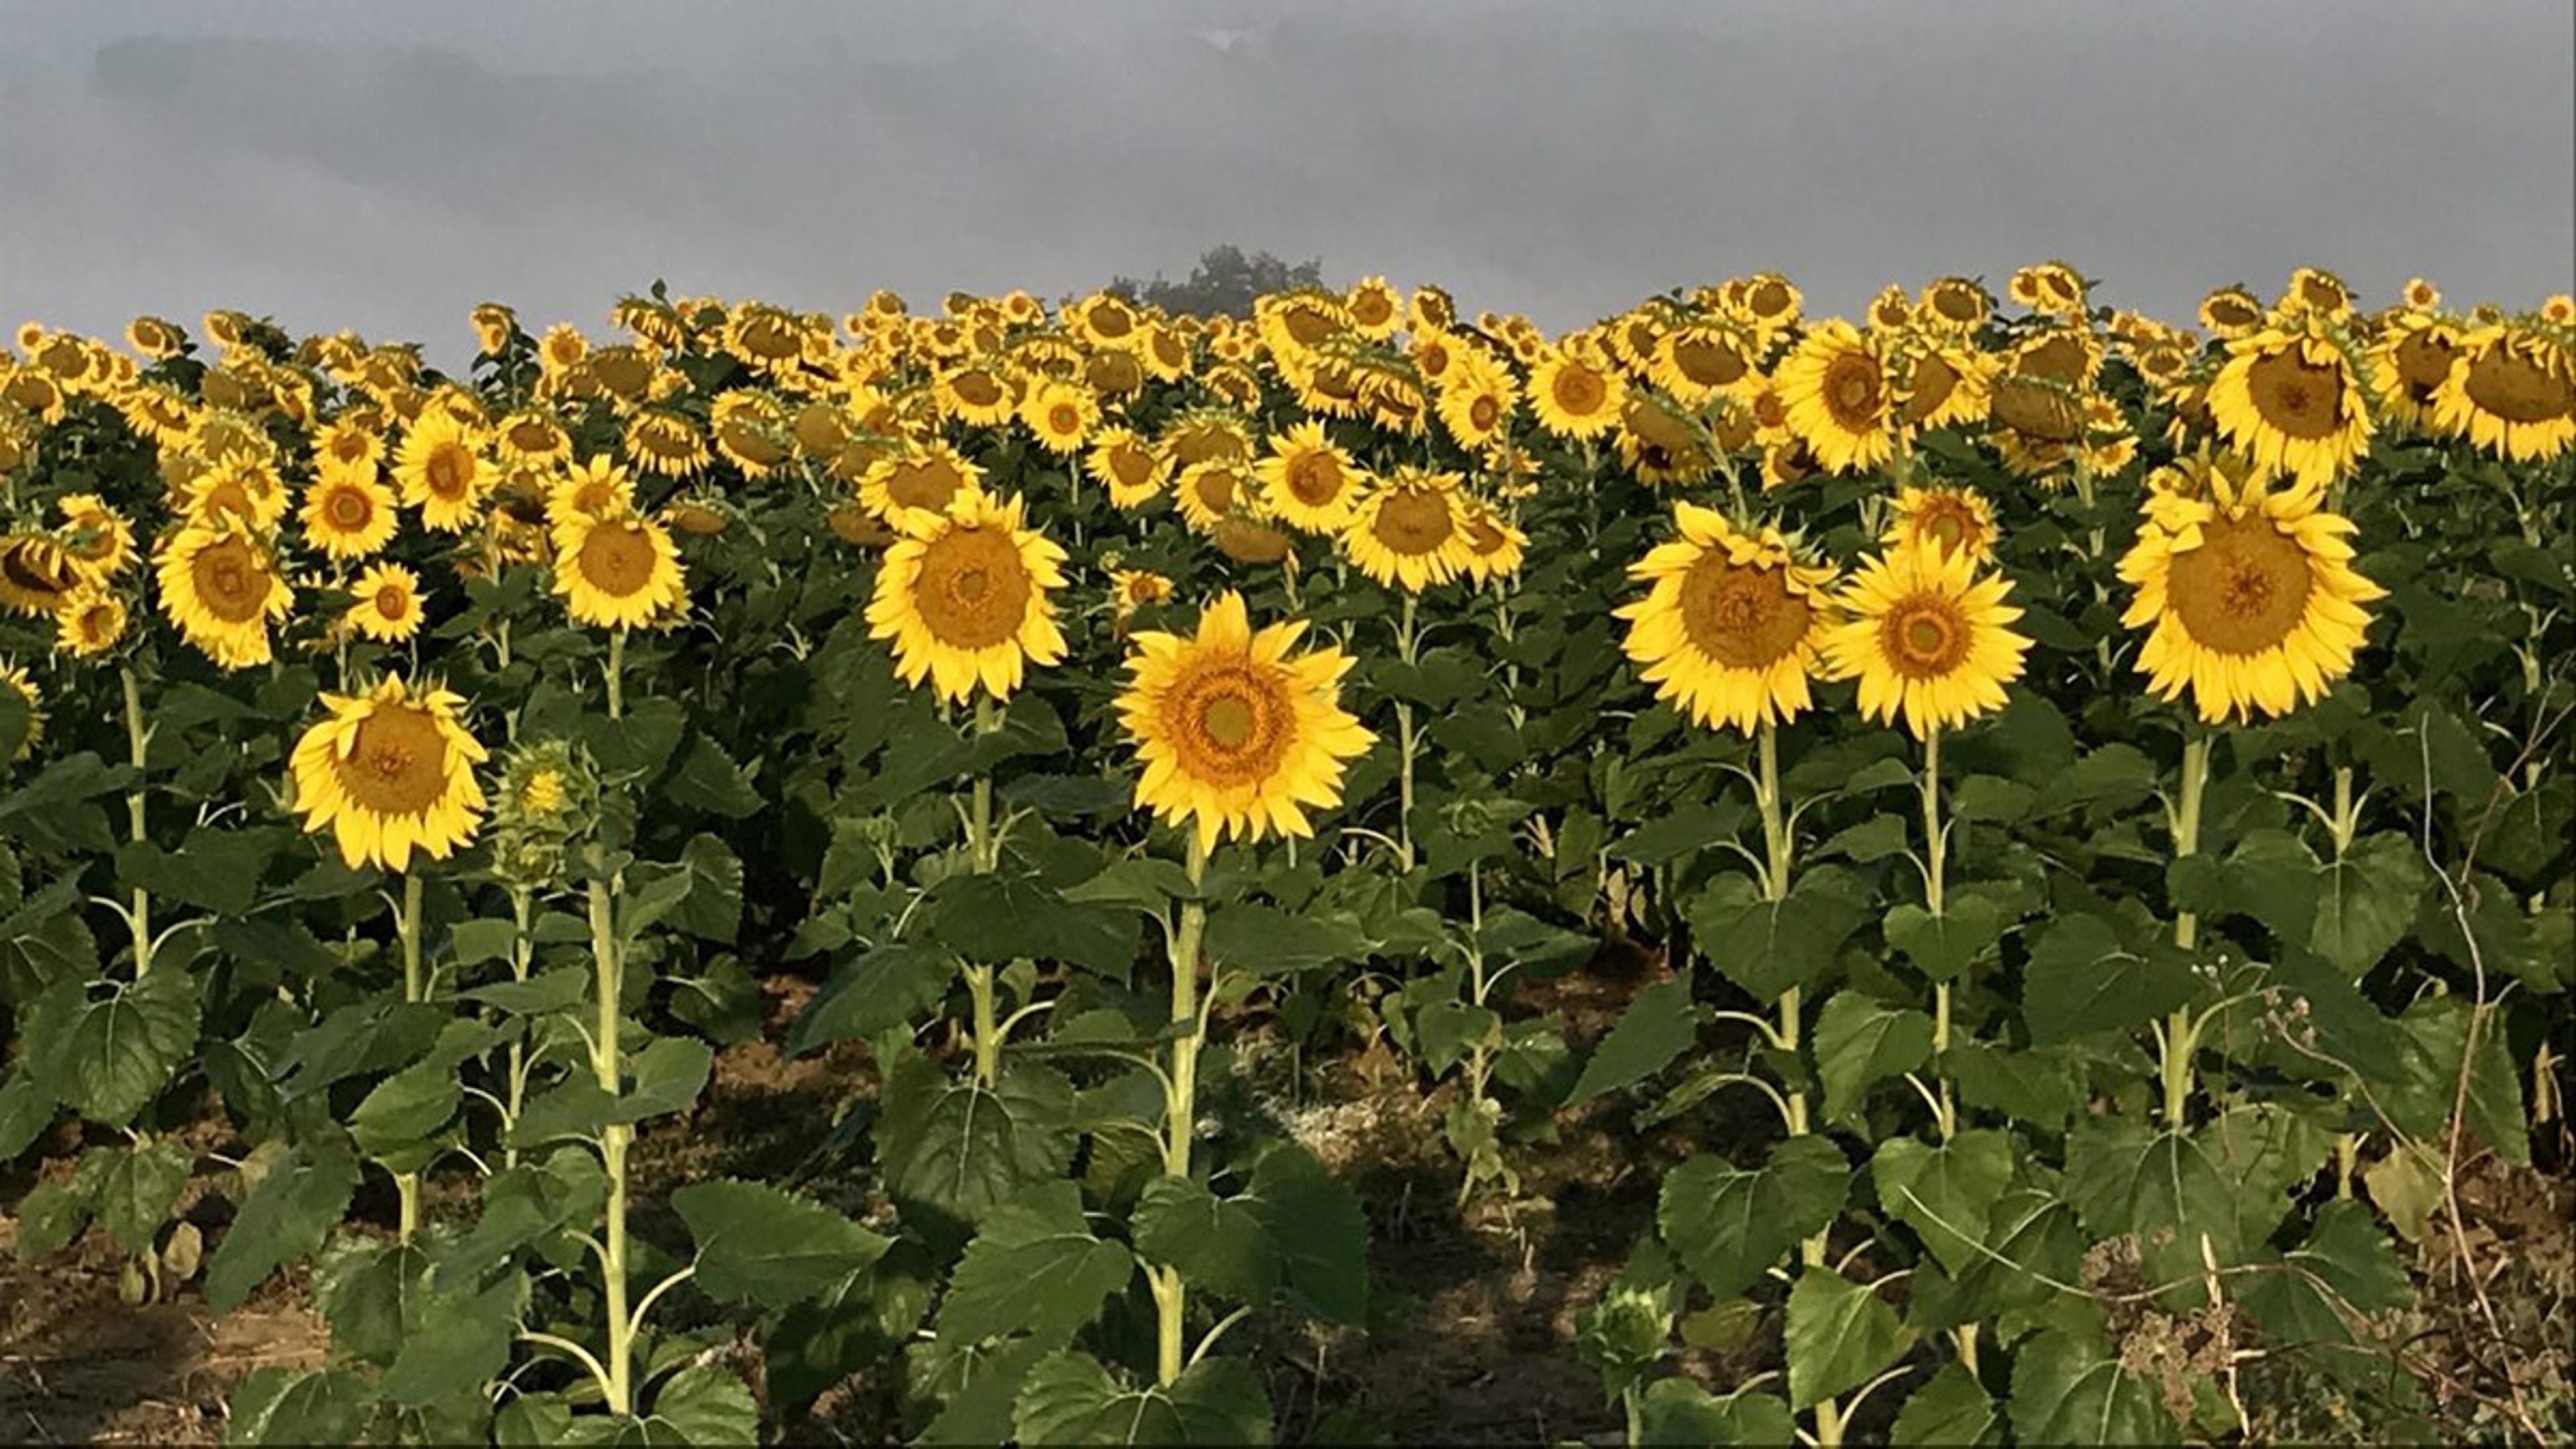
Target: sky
384, 166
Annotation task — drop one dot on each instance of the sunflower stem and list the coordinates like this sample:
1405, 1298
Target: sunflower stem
523, 949
983, 854
1406, 642
138, 740
1180, 1107
2181, 1034
1935, 854
1775, 887
616, 675
613, 1141
407, 1184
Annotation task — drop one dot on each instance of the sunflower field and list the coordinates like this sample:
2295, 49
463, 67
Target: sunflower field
2031, 844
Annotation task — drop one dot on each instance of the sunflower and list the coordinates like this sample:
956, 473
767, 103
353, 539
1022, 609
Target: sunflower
1133, 589
2051, 287
155, 337
37, 573
1573, 398
236, 487
1495, 545
220, 584
1209, 491
1060, 415
1944, 386
1699, 361
442, 472
2559, 310
390, 772
2512, 392
1927, 638
1131, 469
388, 605
666, 443
1955, 304
1409, 531
1104, 320
2410, 361
600, 488
2294, 402
1477, 401
14, 678
1728, 629
2250, 591
1238, 735
494, 324
1307, 482
89, 623
99, 540
963, 596
1839, 403
927, 475
2422, 295
978, 395
2231, 313
2315, 292
1951, 520
618, 572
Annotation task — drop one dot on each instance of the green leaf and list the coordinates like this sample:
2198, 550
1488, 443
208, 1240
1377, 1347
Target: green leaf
712, 910
2366, 900
1859, 1041
526, 1204
140, 1187
1766, 947
1682, 832
461, 1343
1876, 838
638, 742
302, 1196
2170, 1189
483, 939
2347, 1266
1943, 947
668, 1075
962, 1148
1991, 798
2043, 1086
708, 779
886, 987
2427, 1080
547, 992
1220, 1243
213, 870
1145, 883
26, 1110
1944, 1193
702, 1404
404, 1109
1950, 1408
1657, 1027
2082, 978
1071, 1399
107, 1058
1447, 1030
1839, 1336
2107, 779
1677, 1411
299, 1407
757, 1242
1728, 1224
1271, 941
2068, 1391
374, 1295
996, 919
1035, 1267
1319, 1230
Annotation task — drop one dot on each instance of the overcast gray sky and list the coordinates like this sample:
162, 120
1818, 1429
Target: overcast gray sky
385, 166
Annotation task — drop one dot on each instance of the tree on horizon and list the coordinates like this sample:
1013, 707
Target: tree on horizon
1224, 281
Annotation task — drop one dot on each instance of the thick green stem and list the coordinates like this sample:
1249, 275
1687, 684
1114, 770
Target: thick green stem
983, 853
523, 950
1775, 886
407, 1184
1407, 642
138, 739
1936, 853
617, 675
2182, 1033
1180, 1106
613, 1142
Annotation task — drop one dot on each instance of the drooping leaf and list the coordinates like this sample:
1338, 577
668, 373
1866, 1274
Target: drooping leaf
1728, 1224
1072, 1399
1950, 1408
300, 1198
1840, 1334
1677, 1411
2083, 978
755, 1241
106, 1049
962, 1148
1765, 946
1860, 1041
1221, 1243
1035, 1267
1657, 1027
1944, 1192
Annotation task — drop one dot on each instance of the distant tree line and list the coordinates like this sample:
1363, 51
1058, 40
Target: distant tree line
1224, 281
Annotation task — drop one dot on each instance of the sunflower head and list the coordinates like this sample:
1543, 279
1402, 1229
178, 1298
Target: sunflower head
390, 772
1308, 482
2294, 403
387, 605
19, 693
1948, 520
2247, 590
90, 622
2512, 391
220, 583
1834, 386
621, 571
1238, 734
1409, 531
1729, 626
1928, 637
964, 595
1573, 397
